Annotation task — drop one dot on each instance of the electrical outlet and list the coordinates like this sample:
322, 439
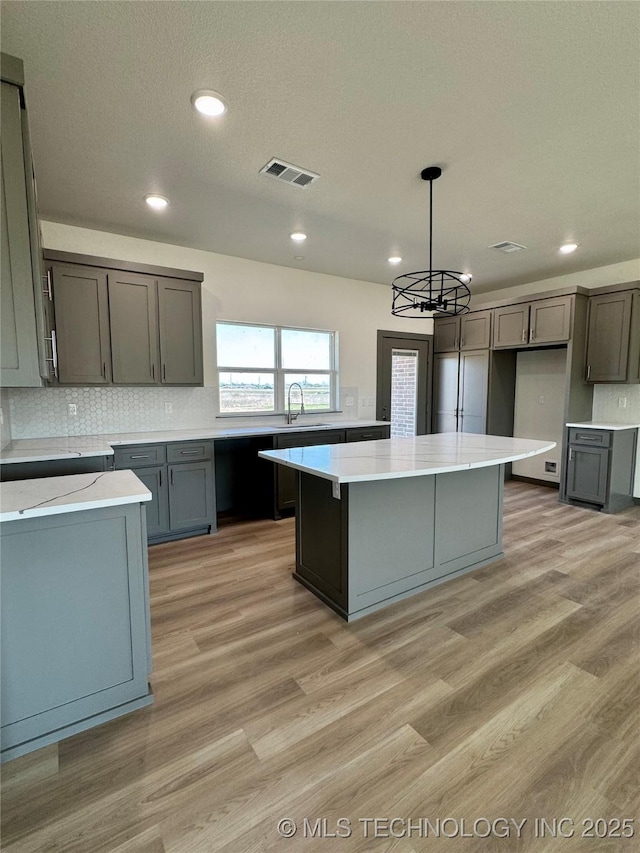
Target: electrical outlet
72, 410
541, 400
370, 401
349, 402
622, 402
168, 408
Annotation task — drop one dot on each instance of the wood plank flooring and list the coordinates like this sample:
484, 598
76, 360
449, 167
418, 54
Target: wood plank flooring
512, 692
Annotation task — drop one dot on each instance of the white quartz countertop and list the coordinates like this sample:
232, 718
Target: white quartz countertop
45, 449
54, 495
406, 457
613, 425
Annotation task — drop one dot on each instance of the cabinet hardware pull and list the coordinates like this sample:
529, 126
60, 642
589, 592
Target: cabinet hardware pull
140, 456
570, 454
54, 353
461, 343
164, 371
104, 369
588, 371
524, 336
47, 288
533, 335
171, 477
587, 437
188, 452
153, 371
160, 480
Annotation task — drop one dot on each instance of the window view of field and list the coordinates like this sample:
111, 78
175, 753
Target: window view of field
253, 392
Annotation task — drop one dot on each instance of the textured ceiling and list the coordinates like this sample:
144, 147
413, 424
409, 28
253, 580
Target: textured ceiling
531, 108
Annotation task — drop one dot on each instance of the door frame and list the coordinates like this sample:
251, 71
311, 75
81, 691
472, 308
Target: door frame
409, 337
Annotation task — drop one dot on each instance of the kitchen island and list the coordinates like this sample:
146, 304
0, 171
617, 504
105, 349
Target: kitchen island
74, 605
379, 521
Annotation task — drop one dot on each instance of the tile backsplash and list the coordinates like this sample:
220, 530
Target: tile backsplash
607, 397
39, 412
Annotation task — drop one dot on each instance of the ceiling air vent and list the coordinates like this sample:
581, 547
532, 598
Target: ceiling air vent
288, 173
508, 247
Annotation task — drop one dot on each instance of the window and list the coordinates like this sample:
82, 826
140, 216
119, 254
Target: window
258, 364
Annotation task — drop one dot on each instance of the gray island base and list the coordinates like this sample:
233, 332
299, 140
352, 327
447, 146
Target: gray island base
406, 516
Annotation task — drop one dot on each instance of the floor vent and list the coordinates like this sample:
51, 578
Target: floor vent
508, 247
289, 173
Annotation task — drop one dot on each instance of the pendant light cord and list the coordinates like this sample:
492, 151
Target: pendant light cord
430, 227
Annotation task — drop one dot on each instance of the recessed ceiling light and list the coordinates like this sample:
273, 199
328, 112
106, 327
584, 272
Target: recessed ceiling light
395, 260
298, 236
466, 277
209, 103
298, 257
568, 248
157, 202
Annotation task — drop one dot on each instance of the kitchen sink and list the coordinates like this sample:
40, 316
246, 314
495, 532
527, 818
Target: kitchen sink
295, 425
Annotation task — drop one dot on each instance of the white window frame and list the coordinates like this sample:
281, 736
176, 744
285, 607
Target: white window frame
280, 392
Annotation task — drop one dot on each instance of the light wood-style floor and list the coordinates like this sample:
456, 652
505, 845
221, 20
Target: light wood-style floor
512, 692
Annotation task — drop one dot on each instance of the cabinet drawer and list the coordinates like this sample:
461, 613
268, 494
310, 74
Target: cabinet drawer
308, 439
189, 451
592, 437
370, 434
139, 456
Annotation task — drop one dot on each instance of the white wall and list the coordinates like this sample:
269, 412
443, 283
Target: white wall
597, 277
539, 407
233, 289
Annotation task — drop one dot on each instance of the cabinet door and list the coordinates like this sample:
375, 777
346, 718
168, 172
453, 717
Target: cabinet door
510, 326
191, 496
157, 509
446, 334
550, 320
180, 332
82, 324
445, 392
475, 330
18, 340
473, 388
133, 319
587, 472
286, 478
608, 337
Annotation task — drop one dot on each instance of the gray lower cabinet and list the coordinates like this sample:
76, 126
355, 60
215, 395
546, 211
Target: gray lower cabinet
600, 468
374, 433
191, 495
613, 338
75, 629
20, 290
155, 479
286, 479
180, 477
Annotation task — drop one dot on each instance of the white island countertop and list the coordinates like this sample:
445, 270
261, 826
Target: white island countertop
612, 425
392, 458
45, 449
53, 495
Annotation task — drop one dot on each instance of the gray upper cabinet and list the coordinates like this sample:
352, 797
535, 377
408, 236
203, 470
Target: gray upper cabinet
542, 321
446, 334
180, 332
613, 338
445, 392
20, 282
82, 325
511, 326
550, 320
465, 332
133, 310
125, 324
475, 330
